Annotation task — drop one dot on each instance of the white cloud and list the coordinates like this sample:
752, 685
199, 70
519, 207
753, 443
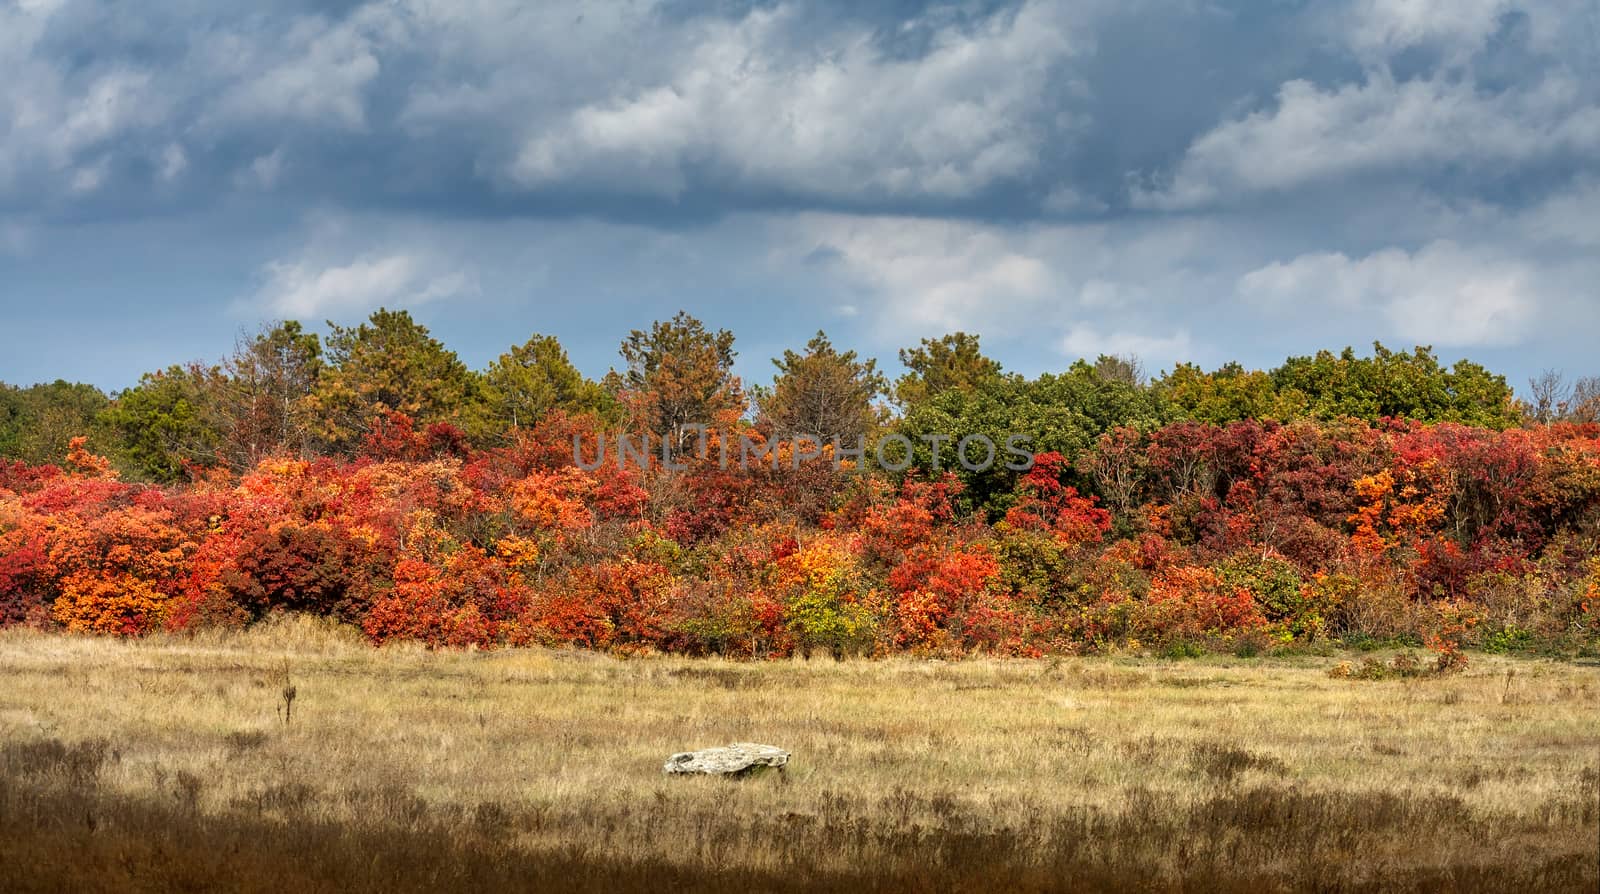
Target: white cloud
1443, 294
89, 177
1076, 289
1067, 200
70, 116
1383, 27
834, 116
314, 71
174, 161
1570, 217
1315, 134
55, 114
262, 172
1377, 30
304, 290
930, 275
1088, 342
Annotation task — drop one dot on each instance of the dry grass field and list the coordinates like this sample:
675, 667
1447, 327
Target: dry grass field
167, 764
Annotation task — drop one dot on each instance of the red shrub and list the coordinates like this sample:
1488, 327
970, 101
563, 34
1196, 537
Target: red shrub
1188, 603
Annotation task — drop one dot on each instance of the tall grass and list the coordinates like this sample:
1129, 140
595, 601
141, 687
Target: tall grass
165, 765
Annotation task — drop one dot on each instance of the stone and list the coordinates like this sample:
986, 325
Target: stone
735, 761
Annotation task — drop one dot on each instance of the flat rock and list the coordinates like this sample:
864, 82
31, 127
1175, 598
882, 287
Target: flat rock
740, 759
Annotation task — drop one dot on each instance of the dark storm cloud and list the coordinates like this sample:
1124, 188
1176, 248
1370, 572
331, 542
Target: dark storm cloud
1205, 179
640, 111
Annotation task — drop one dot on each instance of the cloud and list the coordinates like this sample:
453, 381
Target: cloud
1570, 217
262, 172
662, 110
302, 290
1065, 199
15, 238
928, 276
89, 177
836, 117
1443, 294
1457, 31
1088, 342
314, 70
56, 114
1149, 288
889, 170
173, 162
1383, 27
1316, 134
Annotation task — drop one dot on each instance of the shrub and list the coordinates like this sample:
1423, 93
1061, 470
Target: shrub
824, 597
1191, 603
110, 603
1277, 589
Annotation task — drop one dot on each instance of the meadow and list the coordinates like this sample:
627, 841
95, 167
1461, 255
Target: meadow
167, 763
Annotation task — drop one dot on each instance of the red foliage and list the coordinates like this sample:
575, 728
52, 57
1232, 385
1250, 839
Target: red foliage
1187, 603
1048, 505
946, 597
1381, 530
465, 599
295, 567
603, 605
394, 437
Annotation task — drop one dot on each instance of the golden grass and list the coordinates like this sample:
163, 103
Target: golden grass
166, 764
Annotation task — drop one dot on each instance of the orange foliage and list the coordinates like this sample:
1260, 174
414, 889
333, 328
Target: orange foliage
1391, 531
109, 603
1188, 602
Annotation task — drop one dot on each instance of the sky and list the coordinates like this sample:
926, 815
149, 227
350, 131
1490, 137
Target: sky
1184, 181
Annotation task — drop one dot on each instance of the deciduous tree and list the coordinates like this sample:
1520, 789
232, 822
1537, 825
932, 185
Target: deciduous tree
270, 378
171, 420
37, 423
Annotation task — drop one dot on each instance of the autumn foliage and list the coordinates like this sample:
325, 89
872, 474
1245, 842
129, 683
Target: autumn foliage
1252, 532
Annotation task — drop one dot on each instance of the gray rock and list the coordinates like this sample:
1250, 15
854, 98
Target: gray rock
735, 761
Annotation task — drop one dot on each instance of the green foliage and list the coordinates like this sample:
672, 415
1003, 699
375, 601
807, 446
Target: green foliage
822, 617
937, 366
172, 418
1228, 395
1510, 640
1036, 567
390, 364
822, 392
528, 381
1400, 384
36, 423
1063, 413
1278, 590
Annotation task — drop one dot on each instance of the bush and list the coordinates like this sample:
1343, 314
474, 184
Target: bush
1191, 603
1275, 585
826, 604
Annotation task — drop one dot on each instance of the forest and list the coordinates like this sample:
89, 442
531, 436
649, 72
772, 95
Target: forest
371, 477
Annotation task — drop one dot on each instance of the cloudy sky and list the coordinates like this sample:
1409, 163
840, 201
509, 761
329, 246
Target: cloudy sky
1181, 180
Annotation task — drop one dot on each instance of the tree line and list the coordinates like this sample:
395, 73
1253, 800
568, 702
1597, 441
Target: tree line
370, 476
287, 391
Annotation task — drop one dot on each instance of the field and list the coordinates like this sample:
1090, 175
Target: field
168, 764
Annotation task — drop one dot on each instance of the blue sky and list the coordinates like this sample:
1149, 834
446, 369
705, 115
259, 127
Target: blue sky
1180, 180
